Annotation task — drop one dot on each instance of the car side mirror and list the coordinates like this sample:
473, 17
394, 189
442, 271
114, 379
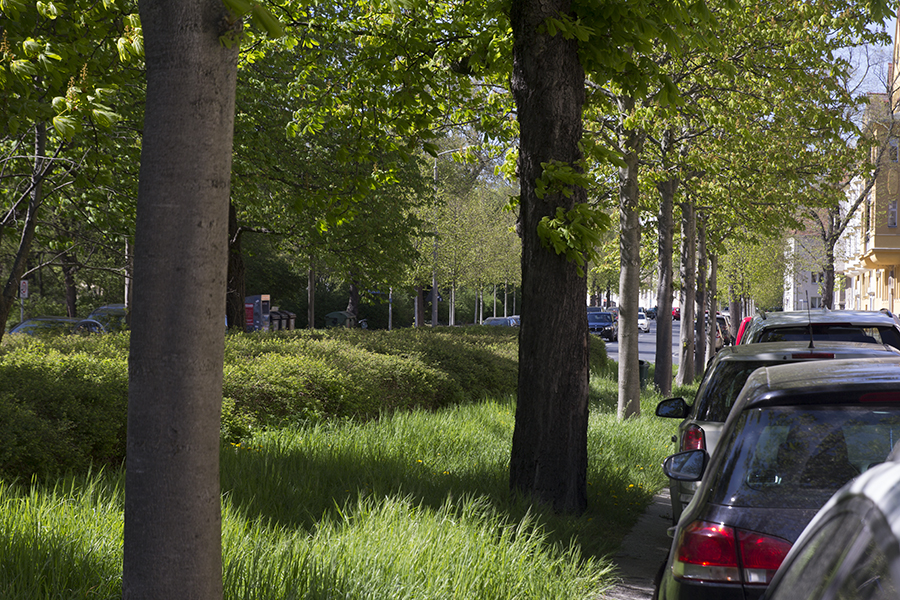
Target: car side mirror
673, 408
686, 466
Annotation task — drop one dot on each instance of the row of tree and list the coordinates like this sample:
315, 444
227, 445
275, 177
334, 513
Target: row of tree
733, 112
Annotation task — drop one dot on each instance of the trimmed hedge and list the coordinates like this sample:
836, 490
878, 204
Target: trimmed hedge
63, 400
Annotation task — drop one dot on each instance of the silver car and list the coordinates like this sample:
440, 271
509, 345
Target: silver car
701, 425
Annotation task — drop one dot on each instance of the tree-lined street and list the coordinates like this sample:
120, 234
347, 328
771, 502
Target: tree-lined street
647, 344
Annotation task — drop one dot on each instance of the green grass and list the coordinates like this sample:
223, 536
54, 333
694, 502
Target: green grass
413, 505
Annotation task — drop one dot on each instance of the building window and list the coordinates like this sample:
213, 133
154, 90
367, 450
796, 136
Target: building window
815, 302
892, 213
894, 150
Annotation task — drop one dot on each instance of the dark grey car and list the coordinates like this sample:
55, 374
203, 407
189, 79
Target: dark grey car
723, 380
796, 434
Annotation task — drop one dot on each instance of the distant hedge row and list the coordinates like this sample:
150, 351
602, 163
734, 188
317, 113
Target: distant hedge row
63, 400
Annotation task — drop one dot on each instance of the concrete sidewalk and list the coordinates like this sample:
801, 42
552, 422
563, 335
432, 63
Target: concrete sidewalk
643, 551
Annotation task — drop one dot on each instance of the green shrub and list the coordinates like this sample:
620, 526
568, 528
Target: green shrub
64, 399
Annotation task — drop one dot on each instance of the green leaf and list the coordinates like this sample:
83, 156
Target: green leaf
65, 126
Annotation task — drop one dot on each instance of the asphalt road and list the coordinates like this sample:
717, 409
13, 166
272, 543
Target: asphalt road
647, 344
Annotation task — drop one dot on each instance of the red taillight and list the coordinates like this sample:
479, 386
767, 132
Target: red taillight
761, 556
693, 438
711, 552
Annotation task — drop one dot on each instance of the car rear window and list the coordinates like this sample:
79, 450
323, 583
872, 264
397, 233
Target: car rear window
721, 387
797, 457
840, 332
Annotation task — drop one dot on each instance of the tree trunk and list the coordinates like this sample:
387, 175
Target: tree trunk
701, 324
70, 267
548, 461
686, 372
172, 534
235, 293
662, 377
353, 300
629, 404
41, 168
713, 307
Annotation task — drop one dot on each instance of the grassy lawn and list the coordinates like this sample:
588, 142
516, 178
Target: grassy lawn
411, 505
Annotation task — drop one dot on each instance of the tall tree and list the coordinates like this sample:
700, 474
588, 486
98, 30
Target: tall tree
549, 448
172, 538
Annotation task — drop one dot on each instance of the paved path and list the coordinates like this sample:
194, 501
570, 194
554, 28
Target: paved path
643, 551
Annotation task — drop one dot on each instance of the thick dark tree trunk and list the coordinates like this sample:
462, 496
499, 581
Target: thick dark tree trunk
686, 371
629, 404
549, 447
173, 533
420, 306
234, 306
666, 246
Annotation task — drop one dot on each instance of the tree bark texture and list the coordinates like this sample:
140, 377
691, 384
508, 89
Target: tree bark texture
172, 536
712, 282
549, 447
629, 404
662, 376
686, 371
701, 324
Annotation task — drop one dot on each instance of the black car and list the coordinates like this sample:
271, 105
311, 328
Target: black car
795, 435
724, 378
851, 549
604, 324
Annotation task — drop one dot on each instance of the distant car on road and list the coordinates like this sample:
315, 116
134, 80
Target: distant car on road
113, 317
501, 321
724, 378
604, 324
796, 434
676, 313
643, 322
38, 326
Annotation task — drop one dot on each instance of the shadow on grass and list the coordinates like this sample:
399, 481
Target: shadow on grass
296, 490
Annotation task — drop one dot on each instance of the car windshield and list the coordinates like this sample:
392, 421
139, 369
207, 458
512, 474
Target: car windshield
599, 318
721, 386
843, 332
797, 457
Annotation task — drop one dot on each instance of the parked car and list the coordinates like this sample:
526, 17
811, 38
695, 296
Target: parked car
604, 324
849, 325
724, 378
501, 321
724, 322
643, 322
851, 549
38, 326
739, 338
651, 312
113, 317
676, 313
796, 434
